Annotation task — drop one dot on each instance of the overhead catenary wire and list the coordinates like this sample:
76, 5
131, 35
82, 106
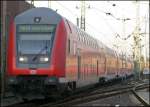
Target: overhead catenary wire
116, 5
98, 31
66, 8
115, 33
110, 27
77, 16
91, 26
106, 21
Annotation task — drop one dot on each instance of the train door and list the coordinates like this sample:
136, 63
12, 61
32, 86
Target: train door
79, 62
105, 66
117, 65
97, 67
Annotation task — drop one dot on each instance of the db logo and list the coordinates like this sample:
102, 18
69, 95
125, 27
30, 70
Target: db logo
33, 72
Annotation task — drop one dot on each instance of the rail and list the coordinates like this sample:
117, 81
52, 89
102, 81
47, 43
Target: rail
89, 95
142, 100
94, 96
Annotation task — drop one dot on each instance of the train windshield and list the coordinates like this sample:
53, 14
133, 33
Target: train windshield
32, 39
34, 43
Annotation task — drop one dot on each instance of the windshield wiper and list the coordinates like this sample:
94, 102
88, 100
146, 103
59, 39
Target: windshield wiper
35, 57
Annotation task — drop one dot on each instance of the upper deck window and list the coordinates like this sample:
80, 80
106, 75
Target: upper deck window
69, 26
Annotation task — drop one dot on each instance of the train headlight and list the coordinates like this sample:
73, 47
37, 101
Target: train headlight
44, 59
23, 59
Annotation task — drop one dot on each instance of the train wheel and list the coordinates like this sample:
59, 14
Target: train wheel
69, 89
102, 80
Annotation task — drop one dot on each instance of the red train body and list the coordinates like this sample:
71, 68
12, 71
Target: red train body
72, 59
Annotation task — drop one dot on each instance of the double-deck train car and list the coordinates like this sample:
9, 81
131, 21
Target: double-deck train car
46, 51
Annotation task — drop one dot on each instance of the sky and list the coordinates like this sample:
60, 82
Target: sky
105, 27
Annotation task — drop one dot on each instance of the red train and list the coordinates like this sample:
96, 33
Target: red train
46, 51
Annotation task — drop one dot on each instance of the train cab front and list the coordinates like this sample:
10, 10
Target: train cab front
30, 50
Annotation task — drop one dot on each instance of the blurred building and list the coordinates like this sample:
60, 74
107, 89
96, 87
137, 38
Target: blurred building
9, 9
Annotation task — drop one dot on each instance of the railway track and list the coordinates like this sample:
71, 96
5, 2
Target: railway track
142, 100
93, 96
9, 99
86, 96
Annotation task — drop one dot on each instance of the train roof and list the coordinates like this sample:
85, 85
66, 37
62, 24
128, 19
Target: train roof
45, 14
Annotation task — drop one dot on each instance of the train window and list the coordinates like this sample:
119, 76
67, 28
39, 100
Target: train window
80, 35
76, 30
69, 26
93, 44
31, 43
74, 47
90, 43
83, 39
79, 32
80, 38
86, 40
32, 37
